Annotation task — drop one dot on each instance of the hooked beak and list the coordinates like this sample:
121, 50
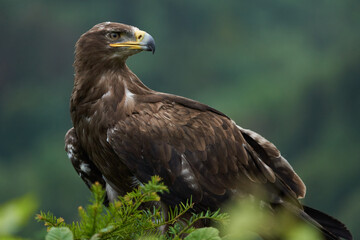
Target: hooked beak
143, 41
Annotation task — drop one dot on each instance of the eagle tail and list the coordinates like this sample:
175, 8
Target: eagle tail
331, 227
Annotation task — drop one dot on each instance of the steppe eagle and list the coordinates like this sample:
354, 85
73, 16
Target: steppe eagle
124, 133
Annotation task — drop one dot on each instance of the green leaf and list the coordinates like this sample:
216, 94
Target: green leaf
95, 237
61, 233
303, 232
208, 233
15, 214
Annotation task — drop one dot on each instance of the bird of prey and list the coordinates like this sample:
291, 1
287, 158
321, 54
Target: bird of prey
123, 133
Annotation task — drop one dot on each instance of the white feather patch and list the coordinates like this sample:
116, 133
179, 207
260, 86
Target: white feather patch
187, 172
129, 96
107, 94
85, 167
70, 151
111, 193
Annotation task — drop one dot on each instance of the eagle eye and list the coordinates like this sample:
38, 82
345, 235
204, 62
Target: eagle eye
113, 36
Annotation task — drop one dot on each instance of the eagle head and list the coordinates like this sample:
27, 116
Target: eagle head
111, 42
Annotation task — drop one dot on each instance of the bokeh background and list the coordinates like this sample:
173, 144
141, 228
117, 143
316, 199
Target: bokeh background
289, 70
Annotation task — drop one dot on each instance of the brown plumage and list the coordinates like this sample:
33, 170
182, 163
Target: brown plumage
124, 133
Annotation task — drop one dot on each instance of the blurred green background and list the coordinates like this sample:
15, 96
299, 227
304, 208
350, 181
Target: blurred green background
289, 70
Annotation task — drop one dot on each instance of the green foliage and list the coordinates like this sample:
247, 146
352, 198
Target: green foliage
249, 218
125, 219
15, 214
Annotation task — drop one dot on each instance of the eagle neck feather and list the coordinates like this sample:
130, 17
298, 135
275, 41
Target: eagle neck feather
105, 96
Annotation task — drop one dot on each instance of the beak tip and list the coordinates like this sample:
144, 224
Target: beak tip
150, 43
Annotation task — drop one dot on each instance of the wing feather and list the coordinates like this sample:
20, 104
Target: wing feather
202, 151
80, 161
84, 167
272, 157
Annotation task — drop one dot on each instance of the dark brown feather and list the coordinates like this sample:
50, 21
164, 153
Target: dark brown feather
272, 157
